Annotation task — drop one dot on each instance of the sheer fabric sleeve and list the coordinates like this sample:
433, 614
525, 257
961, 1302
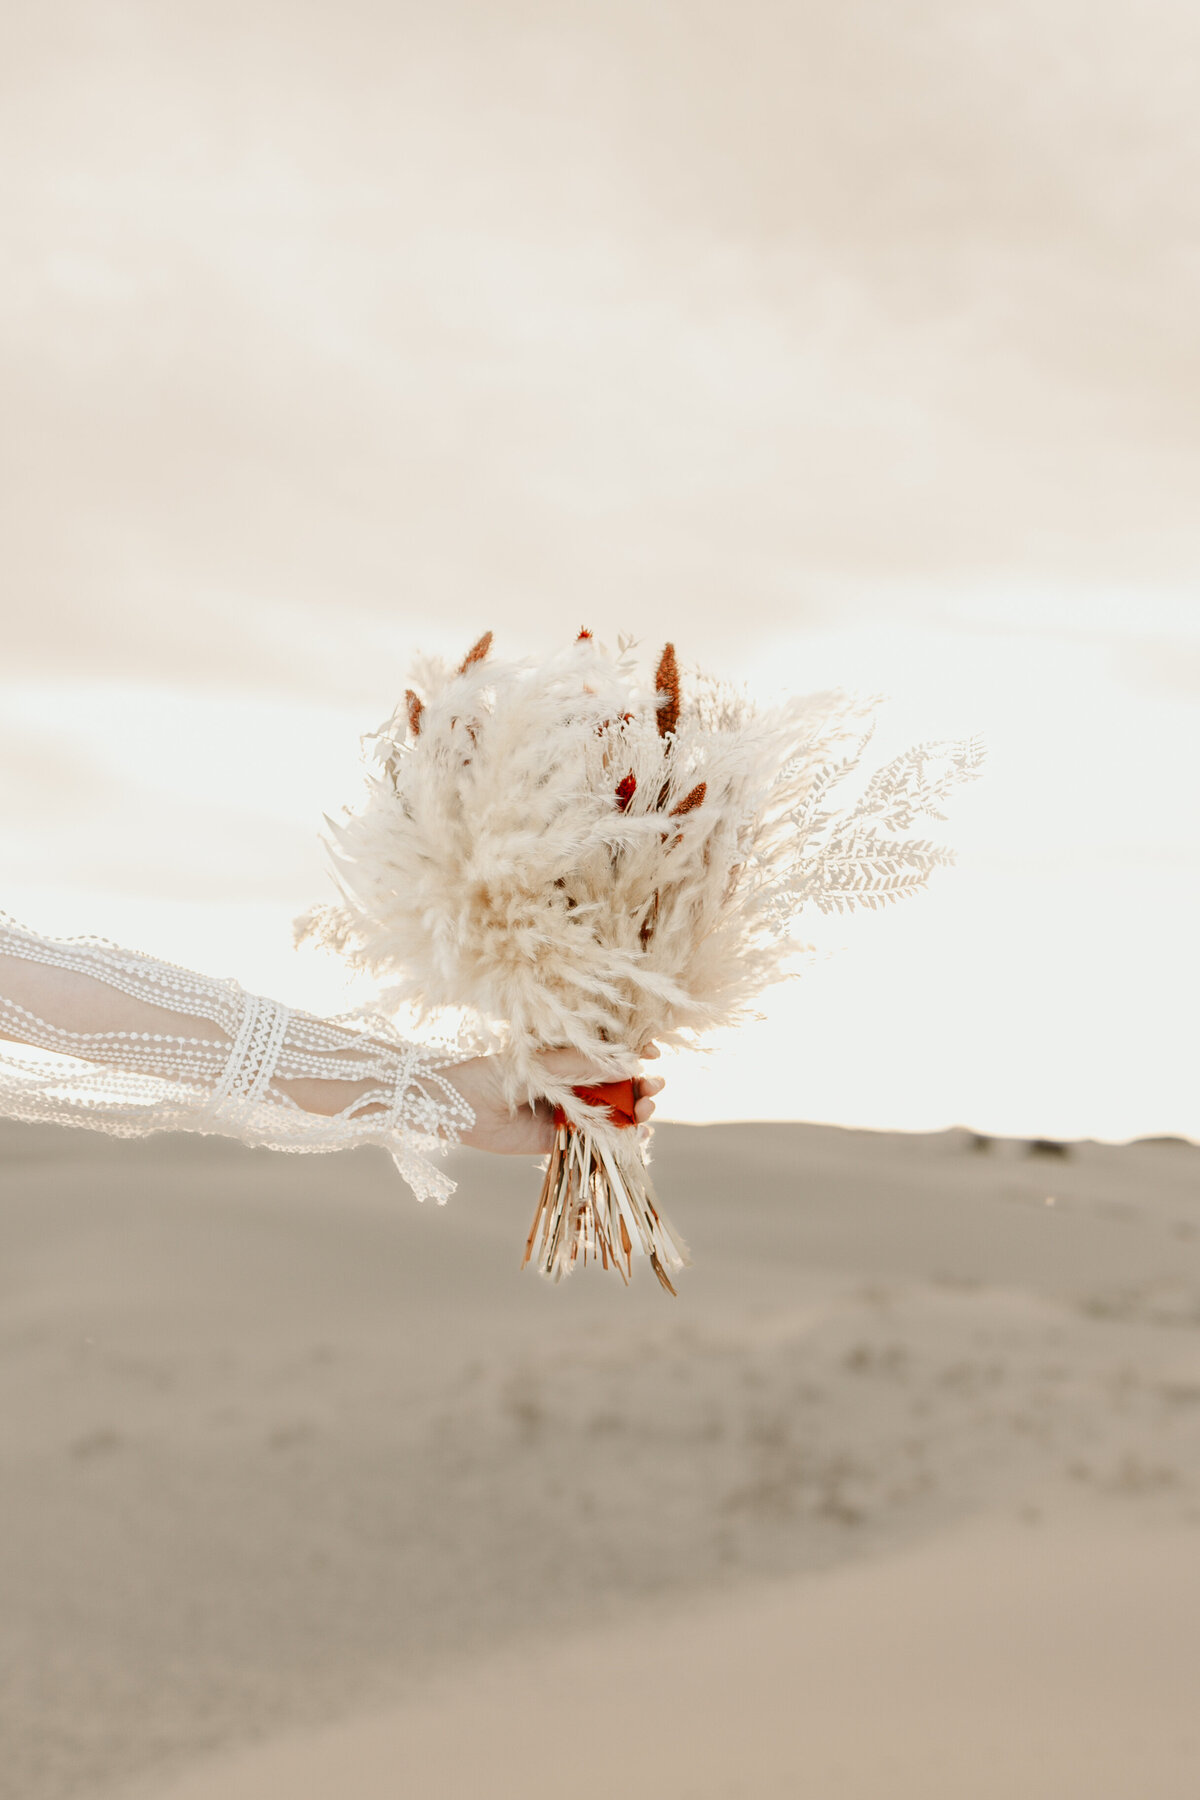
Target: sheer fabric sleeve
95, 1035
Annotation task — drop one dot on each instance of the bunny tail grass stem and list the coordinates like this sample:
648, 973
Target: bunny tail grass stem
596, 1201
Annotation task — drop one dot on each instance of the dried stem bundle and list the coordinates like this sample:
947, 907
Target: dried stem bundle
597, 1200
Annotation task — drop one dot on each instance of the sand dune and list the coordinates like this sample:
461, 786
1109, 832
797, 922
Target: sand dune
989, 1661
284, 1453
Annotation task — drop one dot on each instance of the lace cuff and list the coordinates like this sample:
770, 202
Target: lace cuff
189, 1052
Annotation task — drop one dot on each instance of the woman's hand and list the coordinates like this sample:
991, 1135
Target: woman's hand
529, 1131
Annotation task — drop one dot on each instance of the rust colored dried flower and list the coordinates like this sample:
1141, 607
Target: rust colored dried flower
626, 790
585, 633
666, 681
415, 708
476, 653
690, 801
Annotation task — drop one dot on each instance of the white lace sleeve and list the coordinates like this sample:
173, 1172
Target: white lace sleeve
189, 1052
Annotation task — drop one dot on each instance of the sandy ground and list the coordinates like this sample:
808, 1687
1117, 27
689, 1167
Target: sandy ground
305, 1489
987, 1662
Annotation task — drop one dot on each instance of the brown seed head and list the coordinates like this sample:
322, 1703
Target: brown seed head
690, 801
667, 681
476, 653
415, 708
626, 789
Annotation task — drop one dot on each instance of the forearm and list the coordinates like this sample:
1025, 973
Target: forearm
40, 1001
102, 1024
173, 1049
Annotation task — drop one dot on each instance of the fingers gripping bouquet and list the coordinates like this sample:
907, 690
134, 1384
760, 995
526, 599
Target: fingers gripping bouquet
576, 857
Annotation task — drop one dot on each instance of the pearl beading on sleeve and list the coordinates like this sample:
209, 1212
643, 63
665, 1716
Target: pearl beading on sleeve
221, 1072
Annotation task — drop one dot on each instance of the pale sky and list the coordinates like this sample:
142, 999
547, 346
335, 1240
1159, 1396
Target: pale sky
843, 345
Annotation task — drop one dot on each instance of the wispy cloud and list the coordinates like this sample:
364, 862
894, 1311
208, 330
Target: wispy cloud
324, 325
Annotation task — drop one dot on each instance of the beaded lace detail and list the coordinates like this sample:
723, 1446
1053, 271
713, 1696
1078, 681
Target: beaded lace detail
222, 1065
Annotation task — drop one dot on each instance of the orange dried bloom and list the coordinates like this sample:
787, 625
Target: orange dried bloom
626, 789
667, 681
585, 633
476, 653
415, 708
690, 801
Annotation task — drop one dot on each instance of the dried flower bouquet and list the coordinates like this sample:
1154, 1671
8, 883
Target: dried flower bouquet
572, 856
